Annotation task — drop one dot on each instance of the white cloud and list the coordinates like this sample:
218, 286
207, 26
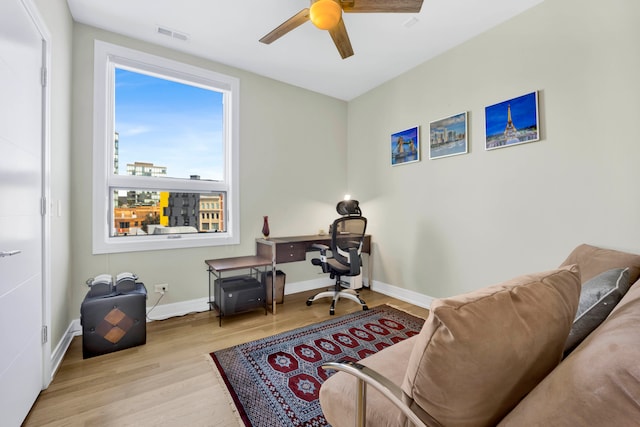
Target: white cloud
134, 130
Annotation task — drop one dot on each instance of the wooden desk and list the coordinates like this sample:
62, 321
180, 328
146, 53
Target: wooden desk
273, 251
295, 248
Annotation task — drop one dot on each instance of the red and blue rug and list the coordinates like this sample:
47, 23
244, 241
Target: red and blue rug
275, 381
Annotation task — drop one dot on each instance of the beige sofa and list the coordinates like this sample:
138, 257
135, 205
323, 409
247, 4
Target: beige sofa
495, 356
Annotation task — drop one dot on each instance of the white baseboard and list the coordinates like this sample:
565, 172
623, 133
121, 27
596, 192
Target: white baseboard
58, 353
406, 295
307, 285
165, 311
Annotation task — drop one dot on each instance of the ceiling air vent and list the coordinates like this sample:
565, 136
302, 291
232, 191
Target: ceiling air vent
410, 22
173, 34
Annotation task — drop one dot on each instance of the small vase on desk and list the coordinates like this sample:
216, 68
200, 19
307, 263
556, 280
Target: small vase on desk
265, 227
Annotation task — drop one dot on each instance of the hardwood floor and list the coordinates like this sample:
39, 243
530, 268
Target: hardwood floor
169, 380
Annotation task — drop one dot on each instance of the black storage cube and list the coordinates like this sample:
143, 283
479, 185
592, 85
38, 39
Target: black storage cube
113, 321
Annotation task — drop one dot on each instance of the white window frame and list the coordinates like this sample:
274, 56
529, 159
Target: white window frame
106, 57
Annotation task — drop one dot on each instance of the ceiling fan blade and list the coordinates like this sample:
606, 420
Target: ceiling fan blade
341, 39
290, 24
381, 6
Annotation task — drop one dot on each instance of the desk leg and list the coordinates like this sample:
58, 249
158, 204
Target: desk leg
213, 304
369, 269
210, 302
273, 287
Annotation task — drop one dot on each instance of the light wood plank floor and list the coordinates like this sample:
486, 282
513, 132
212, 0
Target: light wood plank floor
169, 381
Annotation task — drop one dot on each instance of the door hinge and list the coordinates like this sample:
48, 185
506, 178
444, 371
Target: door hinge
43, 76
45, 334
43, 206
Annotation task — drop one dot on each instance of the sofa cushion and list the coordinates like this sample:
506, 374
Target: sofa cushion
338, 393
598, 384
598, 297
593, 260
479, 353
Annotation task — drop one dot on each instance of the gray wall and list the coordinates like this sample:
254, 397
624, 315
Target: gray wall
291, 169
455, 224
441, 226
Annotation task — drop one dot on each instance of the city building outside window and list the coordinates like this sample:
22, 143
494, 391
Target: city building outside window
165, 153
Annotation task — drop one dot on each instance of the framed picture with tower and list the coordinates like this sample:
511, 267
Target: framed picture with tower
512, 122
405, 146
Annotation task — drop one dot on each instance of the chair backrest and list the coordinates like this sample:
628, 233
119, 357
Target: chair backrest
347, 237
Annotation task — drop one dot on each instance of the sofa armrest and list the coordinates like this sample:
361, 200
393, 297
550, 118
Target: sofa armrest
367, 376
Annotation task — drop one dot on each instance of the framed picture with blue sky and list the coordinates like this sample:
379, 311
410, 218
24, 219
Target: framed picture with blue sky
512, 122
405, 146
448, 136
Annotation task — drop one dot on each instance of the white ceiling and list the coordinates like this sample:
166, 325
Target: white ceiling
227, 31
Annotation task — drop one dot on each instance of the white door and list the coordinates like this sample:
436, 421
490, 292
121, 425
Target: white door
21, 218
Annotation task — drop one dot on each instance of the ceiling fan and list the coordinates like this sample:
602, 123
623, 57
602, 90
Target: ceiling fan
327, 15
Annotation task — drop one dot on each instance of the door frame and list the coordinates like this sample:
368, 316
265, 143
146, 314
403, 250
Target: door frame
46, 204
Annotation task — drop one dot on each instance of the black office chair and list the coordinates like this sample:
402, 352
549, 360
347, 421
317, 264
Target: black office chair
347, 238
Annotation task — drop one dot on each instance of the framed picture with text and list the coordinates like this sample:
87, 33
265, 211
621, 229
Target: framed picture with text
405, 146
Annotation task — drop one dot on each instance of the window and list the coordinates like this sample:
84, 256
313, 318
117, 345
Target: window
165, 150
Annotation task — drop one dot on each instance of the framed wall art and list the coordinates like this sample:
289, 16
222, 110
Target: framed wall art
448, 136
405, 146
512, 122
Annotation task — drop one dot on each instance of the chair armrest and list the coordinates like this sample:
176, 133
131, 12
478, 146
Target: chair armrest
322, 261
367, 376
320, 247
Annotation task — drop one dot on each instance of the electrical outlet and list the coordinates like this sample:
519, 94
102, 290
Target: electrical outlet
164, 287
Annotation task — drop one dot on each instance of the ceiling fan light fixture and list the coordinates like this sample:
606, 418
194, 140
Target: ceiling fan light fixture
325, 14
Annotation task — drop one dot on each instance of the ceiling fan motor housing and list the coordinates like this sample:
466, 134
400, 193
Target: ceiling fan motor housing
325, 14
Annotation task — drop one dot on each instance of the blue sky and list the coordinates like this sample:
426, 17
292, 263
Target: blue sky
456, 123
523, 114
407, 134
169, 124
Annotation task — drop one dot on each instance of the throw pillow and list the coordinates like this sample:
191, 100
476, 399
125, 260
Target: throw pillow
598, 297
593, 260
479, 353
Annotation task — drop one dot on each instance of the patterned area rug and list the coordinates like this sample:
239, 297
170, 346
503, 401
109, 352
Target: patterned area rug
275, 381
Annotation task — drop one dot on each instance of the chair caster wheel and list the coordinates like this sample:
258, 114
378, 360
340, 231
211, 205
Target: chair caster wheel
365, 308
309, 301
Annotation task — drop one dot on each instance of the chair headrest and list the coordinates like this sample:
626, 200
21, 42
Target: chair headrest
348, 207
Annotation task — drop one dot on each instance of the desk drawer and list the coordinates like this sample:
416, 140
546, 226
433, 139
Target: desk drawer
290, 252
